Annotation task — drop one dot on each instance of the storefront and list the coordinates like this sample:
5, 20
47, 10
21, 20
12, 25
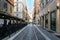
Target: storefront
53, 20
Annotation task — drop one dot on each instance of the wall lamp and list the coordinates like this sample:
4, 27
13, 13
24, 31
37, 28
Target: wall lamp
48, 11
58, 5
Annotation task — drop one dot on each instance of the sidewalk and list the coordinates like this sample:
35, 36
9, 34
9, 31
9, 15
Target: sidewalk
49, 33
10, 35
17, 33
14, 34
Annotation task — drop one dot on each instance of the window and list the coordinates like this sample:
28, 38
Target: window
42, 3
20, 6
10, 9
5, 6
17, 0
0, 3
17, 14
17, 9
46, 1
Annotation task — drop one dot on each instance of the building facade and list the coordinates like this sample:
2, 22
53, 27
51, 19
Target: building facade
19, 6
27, 17
36, 6
6, 7
36, 10
10, 7
50, 14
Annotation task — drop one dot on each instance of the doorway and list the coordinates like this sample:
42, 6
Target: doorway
46, 21
53, 20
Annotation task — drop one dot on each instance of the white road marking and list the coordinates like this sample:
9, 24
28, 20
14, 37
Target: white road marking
17, 34
46, 37
22, 37
35, 35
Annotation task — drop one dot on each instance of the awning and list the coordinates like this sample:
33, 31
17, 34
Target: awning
4, 15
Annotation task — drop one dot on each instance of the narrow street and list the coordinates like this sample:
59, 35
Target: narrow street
33, 32
29, 19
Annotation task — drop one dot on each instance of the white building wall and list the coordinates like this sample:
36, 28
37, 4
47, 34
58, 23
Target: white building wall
19, 8
19, 15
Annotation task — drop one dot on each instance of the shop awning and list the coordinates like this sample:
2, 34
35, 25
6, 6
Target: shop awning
4, 15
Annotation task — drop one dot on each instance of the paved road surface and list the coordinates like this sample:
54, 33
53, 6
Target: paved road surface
33, 32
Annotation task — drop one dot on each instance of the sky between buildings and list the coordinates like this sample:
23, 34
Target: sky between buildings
30, 6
